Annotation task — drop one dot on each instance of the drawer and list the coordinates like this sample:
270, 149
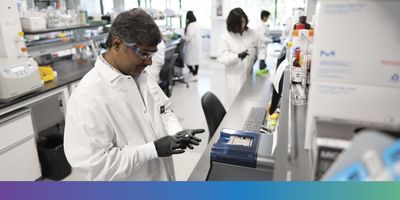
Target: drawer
15, 127
21, 163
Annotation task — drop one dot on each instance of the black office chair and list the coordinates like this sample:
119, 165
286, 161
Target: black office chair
166, 75
214, 112
276, 97
178, 74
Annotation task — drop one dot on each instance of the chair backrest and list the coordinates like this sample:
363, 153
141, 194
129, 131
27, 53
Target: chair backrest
275, 95
214, 112
166, 72
169, 52
179, 50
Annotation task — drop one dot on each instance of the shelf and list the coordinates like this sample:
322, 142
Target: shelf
53, 47
47, 41
58, 45
66, 28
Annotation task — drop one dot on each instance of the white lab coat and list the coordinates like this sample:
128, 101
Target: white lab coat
109, 131
158, 61
263, 33
232, 44
192, 45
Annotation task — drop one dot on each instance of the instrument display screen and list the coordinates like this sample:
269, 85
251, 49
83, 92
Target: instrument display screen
17, 68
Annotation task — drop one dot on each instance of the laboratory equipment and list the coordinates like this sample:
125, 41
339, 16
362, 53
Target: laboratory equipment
33, 23
242, 155
18, 77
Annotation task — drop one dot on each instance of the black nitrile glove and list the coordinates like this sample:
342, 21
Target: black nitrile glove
262, 64
243, 55
189, 137
175, 144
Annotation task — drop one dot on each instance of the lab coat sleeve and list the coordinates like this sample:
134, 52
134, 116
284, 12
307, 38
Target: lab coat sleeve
264, 35
190, 33
88, 144
226, 55
266, 39
170, 121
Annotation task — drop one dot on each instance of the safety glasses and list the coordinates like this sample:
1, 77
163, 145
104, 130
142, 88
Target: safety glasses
139, 52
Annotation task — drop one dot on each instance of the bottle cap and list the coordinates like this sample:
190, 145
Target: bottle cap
289, 44
295, 33
300, 26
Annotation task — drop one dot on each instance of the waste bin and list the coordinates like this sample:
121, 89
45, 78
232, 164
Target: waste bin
53, 162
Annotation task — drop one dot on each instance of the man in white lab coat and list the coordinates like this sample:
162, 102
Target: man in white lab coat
240, 46
119, 124
262, 29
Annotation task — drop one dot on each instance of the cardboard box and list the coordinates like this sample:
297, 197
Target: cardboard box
355, 74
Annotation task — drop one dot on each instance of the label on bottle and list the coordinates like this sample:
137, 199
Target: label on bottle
297, 73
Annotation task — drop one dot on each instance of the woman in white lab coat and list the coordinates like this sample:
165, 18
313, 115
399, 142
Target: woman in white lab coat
192, 46
119, 124
240, 46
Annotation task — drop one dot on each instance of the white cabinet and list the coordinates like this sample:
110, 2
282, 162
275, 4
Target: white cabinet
19, 159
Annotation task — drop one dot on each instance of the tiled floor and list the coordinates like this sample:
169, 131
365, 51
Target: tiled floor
187, 107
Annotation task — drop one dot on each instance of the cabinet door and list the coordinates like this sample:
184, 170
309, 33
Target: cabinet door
18, 155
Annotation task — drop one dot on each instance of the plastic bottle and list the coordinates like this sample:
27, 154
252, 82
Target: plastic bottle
20, 43
296, 71
272, 122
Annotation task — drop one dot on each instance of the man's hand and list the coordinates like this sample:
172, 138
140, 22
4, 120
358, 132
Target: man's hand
176, 144
189, 137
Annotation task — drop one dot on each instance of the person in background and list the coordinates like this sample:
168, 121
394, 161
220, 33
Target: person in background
240, 45
191, 48
119, 124
263, 28
158, 61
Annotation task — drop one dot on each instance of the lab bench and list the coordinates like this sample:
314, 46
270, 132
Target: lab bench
255, 92
22, 119
291, 160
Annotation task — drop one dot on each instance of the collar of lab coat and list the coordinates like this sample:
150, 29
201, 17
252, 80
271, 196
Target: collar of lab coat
106, 71
111, 75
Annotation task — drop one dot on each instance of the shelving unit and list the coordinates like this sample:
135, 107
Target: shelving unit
47, 46
67, 28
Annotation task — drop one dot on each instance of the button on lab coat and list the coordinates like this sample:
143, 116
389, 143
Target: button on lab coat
110, 128
192, 45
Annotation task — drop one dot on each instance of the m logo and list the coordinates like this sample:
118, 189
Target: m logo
327, 53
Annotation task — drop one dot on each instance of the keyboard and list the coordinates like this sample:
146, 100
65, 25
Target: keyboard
255, 119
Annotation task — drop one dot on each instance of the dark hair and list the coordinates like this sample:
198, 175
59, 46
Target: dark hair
265, 13
234, 20
134, 26
189, 19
